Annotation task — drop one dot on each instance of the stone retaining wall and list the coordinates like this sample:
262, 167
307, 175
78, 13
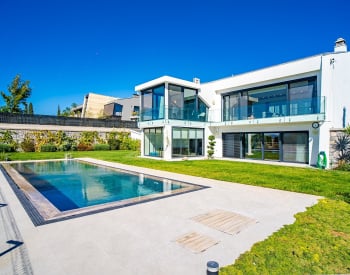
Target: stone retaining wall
333, 154
19, 130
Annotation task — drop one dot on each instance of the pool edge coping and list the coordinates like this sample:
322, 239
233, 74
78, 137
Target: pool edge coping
38, 218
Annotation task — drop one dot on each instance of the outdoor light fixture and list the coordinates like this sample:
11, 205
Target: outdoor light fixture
315, 125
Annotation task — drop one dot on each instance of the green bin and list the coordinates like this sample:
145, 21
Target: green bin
322, 160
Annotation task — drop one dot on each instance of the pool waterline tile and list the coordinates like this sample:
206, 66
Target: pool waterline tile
49, 213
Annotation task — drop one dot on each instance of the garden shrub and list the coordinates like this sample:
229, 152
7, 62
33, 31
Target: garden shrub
42, 137
7, 138
64, 147
4, 156
84, 147
6, 148
90, 138
211, 146
343, 166
114, 143
48, 148
134, 144
101, 147
27, 145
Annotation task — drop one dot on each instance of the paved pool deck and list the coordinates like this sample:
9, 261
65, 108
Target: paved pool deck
141, 239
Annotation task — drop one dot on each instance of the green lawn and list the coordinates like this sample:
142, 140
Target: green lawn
319, 240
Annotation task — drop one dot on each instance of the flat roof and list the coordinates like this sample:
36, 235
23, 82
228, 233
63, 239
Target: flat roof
166, 79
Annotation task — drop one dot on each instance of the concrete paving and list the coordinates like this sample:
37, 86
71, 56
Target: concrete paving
140, 239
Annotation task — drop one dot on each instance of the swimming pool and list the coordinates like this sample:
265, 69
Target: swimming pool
66, 188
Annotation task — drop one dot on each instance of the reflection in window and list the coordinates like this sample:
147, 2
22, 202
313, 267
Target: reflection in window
267, 102
187, 142
280, 146
153, 142
152, 103
184, 103
253, 145
295, 147
271, 146
176, 102
302, 96
291, 98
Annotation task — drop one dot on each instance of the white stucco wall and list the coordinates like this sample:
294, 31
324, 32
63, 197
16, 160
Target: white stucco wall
336, 87
333, 83
211, 92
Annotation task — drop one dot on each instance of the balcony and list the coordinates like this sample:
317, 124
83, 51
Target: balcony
258, 113
184, 114
280, 111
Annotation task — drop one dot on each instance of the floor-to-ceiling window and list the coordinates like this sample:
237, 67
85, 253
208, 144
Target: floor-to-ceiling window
271, 146
253, 145
190, 104
187, 142
278, 146
152, 103
303, 97
184, 104
296, 97
295, 147
153, 142
176, 102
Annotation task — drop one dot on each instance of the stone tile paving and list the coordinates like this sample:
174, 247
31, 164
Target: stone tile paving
13, 255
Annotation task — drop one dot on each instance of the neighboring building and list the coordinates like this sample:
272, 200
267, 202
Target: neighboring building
93, 105
125, 108
97, 106
281, 113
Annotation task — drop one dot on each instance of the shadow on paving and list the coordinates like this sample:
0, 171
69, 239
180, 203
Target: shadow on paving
13, 255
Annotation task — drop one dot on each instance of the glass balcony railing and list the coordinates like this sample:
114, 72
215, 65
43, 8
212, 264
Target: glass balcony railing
174, 113
256, 110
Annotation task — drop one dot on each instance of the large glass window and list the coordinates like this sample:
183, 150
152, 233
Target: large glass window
295, 147
202, 111
253, 145
152, 103
176, 102
190, 104
267, 102
302, 96
184, 103
271, 146
153, 142
279, 146
187, 142
284, 99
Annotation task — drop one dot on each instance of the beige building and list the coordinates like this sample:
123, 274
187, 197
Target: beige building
97, 106
94, 104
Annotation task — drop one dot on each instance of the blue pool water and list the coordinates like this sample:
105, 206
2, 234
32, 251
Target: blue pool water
72, 184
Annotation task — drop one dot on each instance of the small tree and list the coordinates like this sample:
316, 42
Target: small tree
211, 146
19, 91
68, 110
30, 109
58, 110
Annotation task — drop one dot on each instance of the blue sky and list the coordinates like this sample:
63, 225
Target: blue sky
68, 48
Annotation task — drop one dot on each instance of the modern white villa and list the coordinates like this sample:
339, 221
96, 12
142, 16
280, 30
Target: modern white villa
287, 113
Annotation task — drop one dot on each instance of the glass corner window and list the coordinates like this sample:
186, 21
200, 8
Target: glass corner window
152, 103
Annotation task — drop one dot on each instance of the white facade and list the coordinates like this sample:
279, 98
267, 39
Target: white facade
287, 111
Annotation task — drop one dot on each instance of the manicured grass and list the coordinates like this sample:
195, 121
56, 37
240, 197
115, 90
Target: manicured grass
317, 243
319, 240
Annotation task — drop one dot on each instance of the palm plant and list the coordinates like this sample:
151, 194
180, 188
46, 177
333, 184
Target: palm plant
342, 146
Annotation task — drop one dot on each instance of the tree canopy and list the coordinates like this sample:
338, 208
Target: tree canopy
18, 93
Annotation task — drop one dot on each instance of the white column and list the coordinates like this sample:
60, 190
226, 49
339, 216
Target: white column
167, 142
